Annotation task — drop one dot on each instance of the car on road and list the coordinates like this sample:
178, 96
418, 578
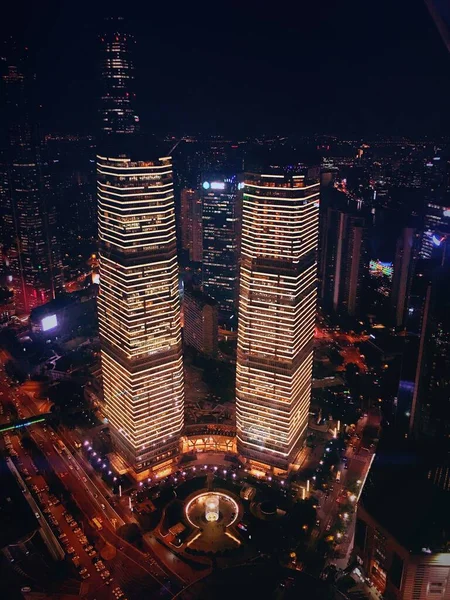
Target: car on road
77, 530
70, 550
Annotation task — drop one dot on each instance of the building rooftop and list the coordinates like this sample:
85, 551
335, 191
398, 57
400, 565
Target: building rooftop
407, 493
52, 307
16, 517
260, 581
200, 297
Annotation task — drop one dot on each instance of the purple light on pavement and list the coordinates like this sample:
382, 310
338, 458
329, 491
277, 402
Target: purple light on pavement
99, 460
109, 472
234, 474
140, 484
194, 469
86, 443
90, 448
94, 454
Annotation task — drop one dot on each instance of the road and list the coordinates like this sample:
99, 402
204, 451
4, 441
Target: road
134, 571
359, 456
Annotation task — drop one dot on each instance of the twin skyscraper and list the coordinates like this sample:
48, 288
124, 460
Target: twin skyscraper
139, 302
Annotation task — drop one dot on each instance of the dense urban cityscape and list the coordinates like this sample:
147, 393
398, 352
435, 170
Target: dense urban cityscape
224, 355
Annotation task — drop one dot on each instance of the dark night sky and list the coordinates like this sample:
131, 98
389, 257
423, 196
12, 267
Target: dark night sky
342, 66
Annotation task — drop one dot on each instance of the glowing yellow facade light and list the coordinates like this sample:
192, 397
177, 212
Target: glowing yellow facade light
139, 310
277, 305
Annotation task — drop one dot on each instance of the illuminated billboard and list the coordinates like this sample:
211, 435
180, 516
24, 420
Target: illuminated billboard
49, 322
214, 185
378, 267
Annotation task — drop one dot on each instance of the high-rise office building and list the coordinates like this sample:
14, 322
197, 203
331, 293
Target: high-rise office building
200, 322
221, 201
196, 254
117, 97
277, 307
405, 257
30, 229
430, 410
187, 196
436, 235
343, 260
191, 224
139, 307
402, 545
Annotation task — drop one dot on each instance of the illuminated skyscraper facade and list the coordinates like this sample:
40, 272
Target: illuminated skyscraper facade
277, 305
117, 112
139, 309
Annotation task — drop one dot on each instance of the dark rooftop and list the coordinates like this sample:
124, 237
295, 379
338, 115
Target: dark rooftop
53, 306
200, 297
406, 495
260, 581
16, 517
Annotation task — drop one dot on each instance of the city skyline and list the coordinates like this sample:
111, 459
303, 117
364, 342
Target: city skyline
224, 321
372, 71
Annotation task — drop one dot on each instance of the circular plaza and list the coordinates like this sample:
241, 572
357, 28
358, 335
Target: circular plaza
212, 515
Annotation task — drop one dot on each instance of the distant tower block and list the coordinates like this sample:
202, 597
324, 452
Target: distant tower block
212, 508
